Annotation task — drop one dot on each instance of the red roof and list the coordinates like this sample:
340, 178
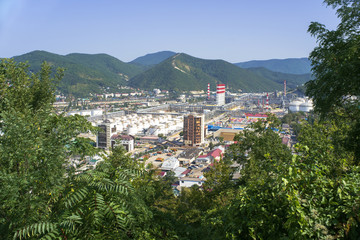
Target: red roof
186, 171
124, 137
162, 174
215, 153
258, 115
202, 156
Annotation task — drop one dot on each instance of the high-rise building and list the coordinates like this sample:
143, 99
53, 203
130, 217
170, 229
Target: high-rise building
103, 138
194, 130
220, 94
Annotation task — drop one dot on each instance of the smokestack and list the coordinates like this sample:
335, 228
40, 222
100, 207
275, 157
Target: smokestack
267, 101
284, 88
208, 92
220, 94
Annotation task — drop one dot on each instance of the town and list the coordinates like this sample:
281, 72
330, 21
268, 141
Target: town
179, 136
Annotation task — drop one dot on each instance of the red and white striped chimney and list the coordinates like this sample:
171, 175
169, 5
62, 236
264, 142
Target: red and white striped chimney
284, 88
208, 92
267, 101
220, 88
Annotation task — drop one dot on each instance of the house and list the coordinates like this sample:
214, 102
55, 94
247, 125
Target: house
124, 140
286, 140
203, 159
181, 172
189, 155
170, 164
215, 154
189, 181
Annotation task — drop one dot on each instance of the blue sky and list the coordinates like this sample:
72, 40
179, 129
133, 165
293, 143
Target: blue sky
233, 30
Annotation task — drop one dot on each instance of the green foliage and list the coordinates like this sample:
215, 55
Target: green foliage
292, 80
336, 87
94, 206
335, 60
187, 73
84, 73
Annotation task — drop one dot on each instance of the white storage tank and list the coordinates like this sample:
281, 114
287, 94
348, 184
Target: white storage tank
96, 112
131, 130
307, 106
294, 106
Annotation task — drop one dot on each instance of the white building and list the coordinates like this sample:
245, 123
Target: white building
124, 140
170, 164
189, 182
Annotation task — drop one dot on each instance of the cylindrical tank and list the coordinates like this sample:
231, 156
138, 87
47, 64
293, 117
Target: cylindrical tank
306, 106
294, 106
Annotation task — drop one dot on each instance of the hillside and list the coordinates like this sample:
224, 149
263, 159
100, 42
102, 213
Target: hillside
153, 58
289, 65
184, 72
292, 80
85, 73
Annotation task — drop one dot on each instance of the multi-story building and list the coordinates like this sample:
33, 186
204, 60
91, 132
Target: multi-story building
193, 130
104, 135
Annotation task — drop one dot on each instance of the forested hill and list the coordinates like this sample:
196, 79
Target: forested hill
289, 65
153, 58
85, 73
92, 73
184, 72
292, 80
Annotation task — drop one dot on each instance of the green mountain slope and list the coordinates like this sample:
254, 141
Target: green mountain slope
153, 58
289, 65
292, 80
84, 73
184, 72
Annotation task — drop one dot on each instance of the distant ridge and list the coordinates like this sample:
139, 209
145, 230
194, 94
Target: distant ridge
85, 73
289, 65
292, 80
184, 72
153, 58
99, 73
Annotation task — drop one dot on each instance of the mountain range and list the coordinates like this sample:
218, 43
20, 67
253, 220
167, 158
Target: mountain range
289, 65
92, 73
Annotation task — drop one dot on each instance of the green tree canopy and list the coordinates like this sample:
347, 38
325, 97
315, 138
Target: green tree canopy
336, 67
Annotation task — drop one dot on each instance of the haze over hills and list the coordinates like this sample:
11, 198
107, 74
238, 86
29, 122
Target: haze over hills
185, 72
92, 73
289, 65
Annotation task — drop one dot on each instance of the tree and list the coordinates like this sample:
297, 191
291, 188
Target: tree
335, 65
35, 145
336, 60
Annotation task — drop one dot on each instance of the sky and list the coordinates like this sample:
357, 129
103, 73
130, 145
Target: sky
232, 30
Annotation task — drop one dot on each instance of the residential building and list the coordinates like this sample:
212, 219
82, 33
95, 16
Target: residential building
170, 164
103, 139
189, 155
194, 132
125, 140
189, 181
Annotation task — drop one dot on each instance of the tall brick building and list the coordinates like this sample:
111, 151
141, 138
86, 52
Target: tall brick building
194, 131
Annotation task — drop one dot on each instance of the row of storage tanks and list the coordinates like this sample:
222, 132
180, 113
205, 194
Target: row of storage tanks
301, 105
91, 113
134, 124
